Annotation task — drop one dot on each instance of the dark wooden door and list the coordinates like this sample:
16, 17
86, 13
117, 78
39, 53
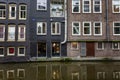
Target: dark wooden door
90, 49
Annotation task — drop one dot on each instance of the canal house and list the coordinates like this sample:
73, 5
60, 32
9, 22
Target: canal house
14, 25
47, 29
93, 28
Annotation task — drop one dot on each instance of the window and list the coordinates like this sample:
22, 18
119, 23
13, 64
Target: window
115, 45
41, 4
11, 33
116, 28
21, 73
10, 74
11, 51
97, 6
74, 45
86, 6
55, 28
23, 12
100, 45
116, 6
21, 33
41, 49
41, 28
97, 28
75, 28
2, 11
57, 8
1, 51
75, 6
86, 28
55, 49
2, 32
21, 51
12, 11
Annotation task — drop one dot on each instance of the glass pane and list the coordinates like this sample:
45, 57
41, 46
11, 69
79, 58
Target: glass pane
1, 51
21, 50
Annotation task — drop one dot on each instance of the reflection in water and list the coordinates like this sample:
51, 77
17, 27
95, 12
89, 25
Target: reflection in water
60, 71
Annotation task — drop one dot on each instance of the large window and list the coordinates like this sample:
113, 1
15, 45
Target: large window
97, 6
11, 33
75, 6
10, 51
22, 11
97, 28
116, 6
2, 32
1, 51
21, 51
75, 28
116, 28
12, 11
86, 6
2, 11
115, 45
41, 4
41, 28
55, 28
86, 28
21, 33
57, 8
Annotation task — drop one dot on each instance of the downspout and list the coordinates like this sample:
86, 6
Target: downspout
107, 25
65, 35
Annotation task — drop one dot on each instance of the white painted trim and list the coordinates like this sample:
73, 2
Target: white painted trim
87, 26
89, 6
20, 18
100, 6
10, 6
77, 26
73, 7
114, 27
97, 26
56, 27
19, 51
9, 53
41, 23
3, 11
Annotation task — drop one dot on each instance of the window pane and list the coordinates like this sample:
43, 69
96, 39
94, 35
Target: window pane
117, 30
76, 5
11, 33
11, 50
1, 51
2, 11
115, 45
116, 6
41, 4
21, 50
1, 32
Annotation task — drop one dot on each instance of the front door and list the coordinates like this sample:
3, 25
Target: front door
41, 49
90, 49
55, 49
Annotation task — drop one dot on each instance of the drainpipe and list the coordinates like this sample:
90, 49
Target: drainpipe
107, 25
65, 36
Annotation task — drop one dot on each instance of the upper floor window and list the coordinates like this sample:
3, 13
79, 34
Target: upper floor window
86, 6
55, 28
86, 28
57, 8
41, 28
2, 32
2, 11
75, 6
21, 32
12, 11
75, 28
23, 12
116, 6
41, 4
97, 6
116, 28
11, 33
97, 28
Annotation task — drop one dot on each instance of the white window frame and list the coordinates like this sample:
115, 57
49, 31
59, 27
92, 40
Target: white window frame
19, 51
100, 5
10, 39
87, 26
19, 28
2, 11
74, 5
18, 72
22, 11
2, 39
113, 7
113, 43
41, 26
3, 52
114, 27
89, 6
11, 71
41, 2
72, 46
10, 6
100, 28
76, 26
8, 53
103, 46
56, 27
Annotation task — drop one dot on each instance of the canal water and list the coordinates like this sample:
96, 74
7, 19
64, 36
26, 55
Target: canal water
60, 71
